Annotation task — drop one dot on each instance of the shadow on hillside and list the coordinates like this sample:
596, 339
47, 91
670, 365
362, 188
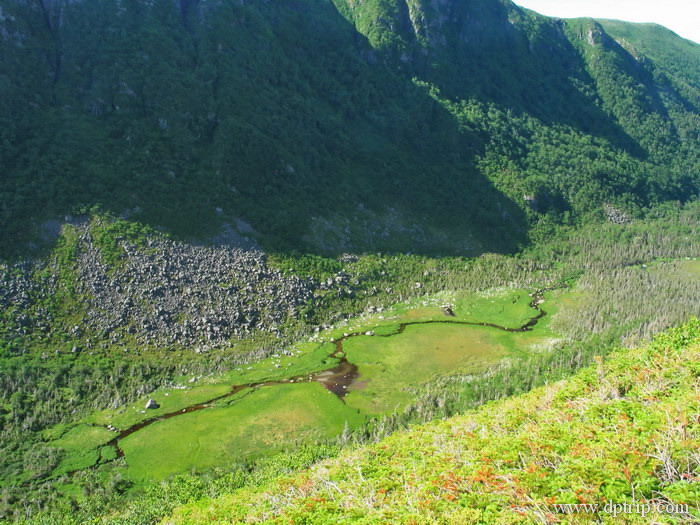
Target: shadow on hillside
243, 115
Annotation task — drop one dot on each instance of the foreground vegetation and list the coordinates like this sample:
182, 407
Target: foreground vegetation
624, 430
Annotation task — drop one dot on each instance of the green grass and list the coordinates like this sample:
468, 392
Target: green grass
170, 400
308, 357
66, 303
508, 308
254, 423
691, 268
682, 269
82, 442
391, 366
81, 445
622, 430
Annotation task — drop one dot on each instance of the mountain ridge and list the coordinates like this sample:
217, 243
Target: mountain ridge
339, 126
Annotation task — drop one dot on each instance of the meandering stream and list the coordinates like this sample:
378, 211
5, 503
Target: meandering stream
337, 379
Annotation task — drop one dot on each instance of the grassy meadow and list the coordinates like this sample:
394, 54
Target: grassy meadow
259, 421
263, 420
390, 367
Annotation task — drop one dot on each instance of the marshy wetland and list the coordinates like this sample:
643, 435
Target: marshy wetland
316, 390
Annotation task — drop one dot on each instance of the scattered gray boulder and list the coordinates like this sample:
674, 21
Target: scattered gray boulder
151, 404
164, 293
196, 296
616, 215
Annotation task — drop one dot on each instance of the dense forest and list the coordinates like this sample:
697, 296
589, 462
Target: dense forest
379, 125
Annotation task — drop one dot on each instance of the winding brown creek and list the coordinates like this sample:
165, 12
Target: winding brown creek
337, 379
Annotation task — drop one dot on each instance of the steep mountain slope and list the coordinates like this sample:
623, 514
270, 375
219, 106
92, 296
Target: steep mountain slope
572, 117
490, 49
624, 431
676, 56
364, 125
274, 111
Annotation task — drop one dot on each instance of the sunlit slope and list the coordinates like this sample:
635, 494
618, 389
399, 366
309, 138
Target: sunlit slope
677, 57
624, 429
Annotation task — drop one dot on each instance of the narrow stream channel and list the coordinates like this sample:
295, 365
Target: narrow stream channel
337, 379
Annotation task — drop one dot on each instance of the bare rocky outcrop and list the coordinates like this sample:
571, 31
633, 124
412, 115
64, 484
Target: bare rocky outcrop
616, 215
162, 293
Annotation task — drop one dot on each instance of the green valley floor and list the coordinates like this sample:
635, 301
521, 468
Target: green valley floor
626, 430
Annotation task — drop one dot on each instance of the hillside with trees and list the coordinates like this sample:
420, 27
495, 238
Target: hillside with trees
377, 125
357, 229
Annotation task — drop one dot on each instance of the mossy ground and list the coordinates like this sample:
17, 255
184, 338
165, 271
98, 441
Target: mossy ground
82, 445
691, 268
505, 307
390, 367
170, 400
257, 422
